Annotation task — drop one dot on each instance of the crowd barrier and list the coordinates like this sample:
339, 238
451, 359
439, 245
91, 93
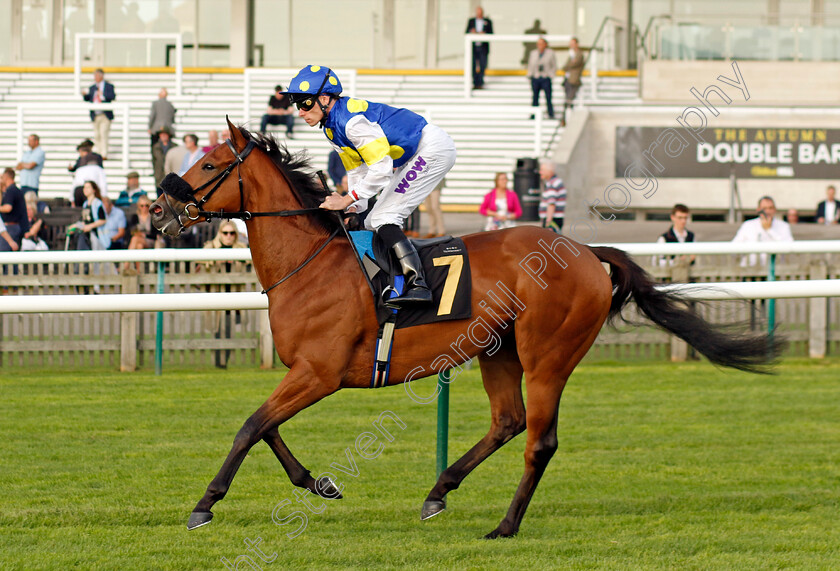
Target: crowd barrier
49, 317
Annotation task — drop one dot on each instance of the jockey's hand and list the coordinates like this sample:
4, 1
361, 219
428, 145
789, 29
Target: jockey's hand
336, 201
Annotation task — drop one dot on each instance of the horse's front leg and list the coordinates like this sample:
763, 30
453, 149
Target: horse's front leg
297, 391
299, 475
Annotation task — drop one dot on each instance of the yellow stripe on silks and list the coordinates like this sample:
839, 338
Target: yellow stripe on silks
375, 151
349, 158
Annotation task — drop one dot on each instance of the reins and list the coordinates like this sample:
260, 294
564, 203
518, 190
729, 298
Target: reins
188, 196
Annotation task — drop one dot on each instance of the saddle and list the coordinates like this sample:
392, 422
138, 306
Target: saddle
447, 268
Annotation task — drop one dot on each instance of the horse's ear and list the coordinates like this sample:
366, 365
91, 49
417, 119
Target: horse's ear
235, 135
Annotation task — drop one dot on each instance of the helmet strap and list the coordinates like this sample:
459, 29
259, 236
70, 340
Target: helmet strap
318, 99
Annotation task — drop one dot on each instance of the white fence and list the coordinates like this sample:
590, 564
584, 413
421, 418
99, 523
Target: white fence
130, 305
209, 301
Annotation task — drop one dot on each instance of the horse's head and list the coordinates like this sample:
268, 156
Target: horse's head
186, 201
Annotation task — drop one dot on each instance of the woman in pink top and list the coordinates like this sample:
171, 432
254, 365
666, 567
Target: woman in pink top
501, 205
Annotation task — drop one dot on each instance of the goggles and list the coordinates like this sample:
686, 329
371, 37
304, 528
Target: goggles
306, 104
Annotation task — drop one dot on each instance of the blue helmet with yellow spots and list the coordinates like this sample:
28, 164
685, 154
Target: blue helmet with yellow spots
312, 81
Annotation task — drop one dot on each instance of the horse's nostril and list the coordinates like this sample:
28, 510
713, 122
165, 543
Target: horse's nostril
156, 209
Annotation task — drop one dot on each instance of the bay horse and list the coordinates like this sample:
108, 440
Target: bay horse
557, 298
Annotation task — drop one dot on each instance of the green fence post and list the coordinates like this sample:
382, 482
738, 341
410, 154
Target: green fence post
442, 421
159, 325
771, 303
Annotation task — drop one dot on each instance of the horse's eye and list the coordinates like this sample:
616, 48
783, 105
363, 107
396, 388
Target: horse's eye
208, 167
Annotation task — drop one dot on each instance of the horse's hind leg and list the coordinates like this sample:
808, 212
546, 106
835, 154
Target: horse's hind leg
543, 403
299, 475
502, 376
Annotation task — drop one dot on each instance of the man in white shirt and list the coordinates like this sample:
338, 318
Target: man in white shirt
765, 228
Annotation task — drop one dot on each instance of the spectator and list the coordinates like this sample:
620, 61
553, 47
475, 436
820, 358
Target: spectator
792, 216
143, 233
36, 237
88, 167
92, 232
174, 157
132, 191
542, 67
480, 50
279, 111
13, 207
432, 203
552, 207
7, 244
221, 321
86, 156
212, 140
335, 168
162, 115
159, 151
192, 155
828, 211
677, 233
764, 228
115, 224
572, 82
100, 92
501, 205
31, 164
41, 207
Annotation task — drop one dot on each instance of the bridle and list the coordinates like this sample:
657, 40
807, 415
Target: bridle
179, 189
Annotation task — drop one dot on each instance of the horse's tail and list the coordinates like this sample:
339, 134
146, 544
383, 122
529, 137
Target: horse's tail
722, 345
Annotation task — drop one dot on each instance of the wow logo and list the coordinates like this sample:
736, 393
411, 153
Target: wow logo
405, 183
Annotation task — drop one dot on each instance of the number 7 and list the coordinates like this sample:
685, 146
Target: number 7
450, 287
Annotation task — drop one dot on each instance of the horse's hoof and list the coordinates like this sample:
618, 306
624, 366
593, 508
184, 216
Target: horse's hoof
432, 508
497, 533
326, 489
197, 519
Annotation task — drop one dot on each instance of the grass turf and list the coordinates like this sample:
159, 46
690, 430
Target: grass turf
660, 466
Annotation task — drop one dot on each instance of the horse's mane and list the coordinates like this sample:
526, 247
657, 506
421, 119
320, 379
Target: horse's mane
298, 170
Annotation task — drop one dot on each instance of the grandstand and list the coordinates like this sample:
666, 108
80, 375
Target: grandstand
492, 129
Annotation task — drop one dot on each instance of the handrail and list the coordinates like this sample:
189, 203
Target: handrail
244, 254
598, 35
179, 53
62, 107
158, 302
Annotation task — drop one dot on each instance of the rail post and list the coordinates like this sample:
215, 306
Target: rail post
443, 422
159, 325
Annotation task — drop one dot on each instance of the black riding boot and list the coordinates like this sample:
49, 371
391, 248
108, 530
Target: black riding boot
415, 290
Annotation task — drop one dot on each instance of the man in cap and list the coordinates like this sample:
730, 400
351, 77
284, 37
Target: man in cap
132, 191
390, 152
159, 150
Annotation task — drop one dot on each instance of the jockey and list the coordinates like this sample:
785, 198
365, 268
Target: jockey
386, 150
